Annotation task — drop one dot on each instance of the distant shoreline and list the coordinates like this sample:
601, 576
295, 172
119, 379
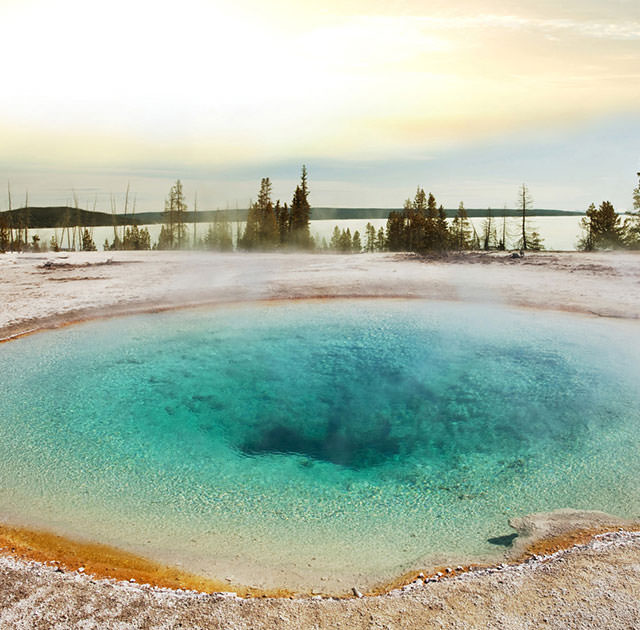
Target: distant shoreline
66, 216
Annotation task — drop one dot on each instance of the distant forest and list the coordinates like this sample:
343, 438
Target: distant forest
66, 216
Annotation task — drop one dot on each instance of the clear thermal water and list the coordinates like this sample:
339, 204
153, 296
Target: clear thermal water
318, 444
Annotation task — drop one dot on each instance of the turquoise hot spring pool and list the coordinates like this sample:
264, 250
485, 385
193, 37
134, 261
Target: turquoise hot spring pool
318, 445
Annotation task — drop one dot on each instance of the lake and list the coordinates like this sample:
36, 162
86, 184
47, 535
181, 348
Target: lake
559, 233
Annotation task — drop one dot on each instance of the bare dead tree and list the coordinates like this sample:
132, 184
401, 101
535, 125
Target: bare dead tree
525, 203
195, 213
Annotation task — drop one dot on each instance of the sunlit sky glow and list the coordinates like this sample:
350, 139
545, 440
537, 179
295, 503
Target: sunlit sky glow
465, 98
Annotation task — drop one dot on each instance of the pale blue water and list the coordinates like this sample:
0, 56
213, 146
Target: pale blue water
315, 444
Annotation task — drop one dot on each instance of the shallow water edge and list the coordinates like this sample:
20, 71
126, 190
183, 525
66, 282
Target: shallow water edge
557, 532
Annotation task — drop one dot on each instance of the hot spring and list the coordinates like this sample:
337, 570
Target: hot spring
318, 445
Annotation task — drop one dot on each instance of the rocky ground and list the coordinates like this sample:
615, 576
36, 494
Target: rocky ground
594, 586
42, 289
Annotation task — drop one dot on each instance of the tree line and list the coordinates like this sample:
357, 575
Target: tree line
603, 227
422, 226
271, 226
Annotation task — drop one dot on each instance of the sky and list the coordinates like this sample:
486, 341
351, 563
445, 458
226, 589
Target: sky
467, 99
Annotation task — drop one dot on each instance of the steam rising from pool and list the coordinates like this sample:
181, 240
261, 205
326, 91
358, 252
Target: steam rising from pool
318, 444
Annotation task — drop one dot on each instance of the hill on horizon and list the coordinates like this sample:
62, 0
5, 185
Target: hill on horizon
66, 216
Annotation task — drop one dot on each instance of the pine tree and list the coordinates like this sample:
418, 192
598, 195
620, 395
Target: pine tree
587, 242
283, 221
218, 236
5, 238
137, 239
87, 242
431, 238
301, 213
251, 235
341, 240
164, 239
604, 227
420, 227
144, 239
268, 228
173, 234
442, 230
415, 221
261, 229
345, 241
632, 223
370, 235
461, 230
334, 244
356, 243
535, 241
395, 239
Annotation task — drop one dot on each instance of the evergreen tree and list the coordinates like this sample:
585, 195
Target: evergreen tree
334, 244
261, 230
87, 242
535, 241
442, 230
420, 227
144, 239
370, 235
461, 230
431, 238
356, 243
164, 238
345, 241
341, 241
604, 228
218, 236
283, 221
415, 213
632, 224
396, 232
381, 241
5, 237
301, 213
268, 228
251, 235
173, 234
136, 239
587, 242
